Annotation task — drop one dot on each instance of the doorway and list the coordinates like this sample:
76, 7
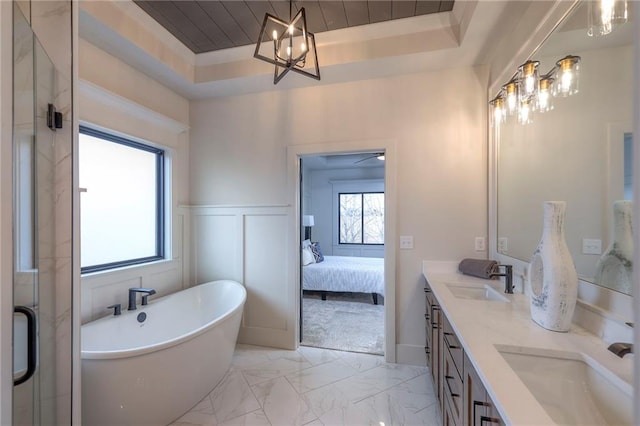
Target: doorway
342, 268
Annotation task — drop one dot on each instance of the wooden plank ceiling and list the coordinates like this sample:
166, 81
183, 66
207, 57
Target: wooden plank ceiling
209, 25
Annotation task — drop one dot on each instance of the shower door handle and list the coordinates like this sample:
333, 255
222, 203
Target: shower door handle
31, 343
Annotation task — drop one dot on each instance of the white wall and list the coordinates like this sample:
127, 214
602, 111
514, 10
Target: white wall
323, 206
238, 157
128, 102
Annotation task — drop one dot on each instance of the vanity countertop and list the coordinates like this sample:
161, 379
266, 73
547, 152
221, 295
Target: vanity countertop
480, 325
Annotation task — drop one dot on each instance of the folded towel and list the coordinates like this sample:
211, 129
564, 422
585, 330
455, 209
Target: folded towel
481, 268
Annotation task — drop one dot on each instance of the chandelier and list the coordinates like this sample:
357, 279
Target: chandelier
528, 92
288, 45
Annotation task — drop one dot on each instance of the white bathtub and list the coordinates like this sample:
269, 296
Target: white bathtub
151, 373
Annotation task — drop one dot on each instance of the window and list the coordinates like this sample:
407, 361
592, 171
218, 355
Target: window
122, 210
361, 218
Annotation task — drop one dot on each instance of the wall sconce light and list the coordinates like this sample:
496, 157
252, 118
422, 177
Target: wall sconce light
307, 222
498, 109
288, 45
545, 93
604, 15
511, 94
529, 78
528, 92
568, 71
525, 111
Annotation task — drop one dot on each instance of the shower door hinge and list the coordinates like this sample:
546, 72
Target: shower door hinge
54, 118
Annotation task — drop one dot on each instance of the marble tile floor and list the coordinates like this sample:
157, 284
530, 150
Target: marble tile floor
315, 387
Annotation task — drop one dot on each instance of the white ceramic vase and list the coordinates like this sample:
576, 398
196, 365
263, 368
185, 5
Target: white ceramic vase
615, 267
553, 277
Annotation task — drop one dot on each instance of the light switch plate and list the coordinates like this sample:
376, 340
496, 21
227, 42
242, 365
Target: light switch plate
591, 246
406, 242
480, 244
503, 245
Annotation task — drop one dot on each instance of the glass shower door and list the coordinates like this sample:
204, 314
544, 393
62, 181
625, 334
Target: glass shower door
34, 358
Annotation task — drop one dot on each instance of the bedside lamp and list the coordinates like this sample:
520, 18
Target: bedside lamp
307, 222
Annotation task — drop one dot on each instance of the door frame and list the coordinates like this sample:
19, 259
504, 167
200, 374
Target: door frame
294, 153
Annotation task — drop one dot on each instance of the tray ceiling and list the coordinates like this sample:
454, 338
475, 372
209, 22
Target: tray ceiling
209, 25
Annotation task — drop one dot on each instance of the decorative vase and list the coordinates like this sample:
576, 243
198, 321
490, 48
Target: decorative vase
615, 267
553, 277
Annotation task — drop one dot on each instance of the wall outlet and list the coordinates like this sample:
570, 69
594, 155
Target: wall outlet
480, 244
406, 242
591, 246
503, 244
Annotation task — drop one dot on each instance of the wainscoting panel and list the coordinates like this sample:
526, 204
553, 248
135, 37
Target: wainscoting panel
265, 272
249, 244
216, 246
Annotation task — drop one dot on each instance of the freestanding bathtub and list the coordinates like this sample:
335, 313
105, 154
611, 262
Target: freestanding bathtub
152, 372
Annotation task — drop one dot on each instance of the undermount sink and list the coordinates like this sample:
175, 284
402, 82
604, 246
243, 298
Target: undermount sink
571, 387
478, 292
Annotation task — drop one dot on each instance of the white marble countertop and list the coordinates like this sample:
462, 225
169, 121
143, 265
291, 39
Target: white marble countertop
480, 325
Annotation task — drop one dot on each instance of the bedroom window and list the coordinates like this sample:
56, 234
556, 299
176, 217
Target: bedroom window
361, 218
122, 206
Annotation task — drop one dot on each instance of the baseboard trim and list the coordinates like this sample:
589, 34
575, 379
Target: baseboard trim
410, 354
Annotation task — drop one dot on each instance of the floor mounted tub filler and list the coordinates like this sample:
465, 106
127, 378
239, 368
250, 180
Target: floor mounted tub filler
151, 365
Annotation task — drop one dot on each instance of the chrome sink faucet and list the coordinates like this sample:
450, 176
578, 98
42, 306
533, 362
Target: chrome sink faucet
508, 277
132, 296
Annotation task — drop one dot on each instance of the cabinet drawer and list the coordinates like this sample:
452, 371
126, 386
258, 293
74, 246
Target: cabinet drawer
452, 387
452, 344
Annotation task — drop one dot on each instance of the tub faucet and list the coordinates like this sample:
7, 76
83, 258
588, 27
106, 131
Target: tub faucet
132, 296
508, 278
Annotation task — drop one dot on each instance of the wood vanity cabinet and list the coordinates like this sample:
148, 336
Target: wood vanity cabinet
452, 374
433, 348
479, 409
463, 398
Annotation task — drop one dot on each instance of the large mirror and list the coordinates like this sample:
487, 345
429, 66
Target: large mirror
578, 152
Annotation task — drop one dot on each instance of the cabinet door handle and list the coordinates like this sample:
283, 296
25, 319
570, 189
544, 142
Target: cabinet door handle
487, 420
427, 290
483, 419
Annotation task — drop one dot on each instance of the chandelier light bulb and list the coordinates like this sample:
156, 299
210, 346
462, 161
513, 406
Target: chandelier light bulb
291, 29
288, 51
303, 47
274, 35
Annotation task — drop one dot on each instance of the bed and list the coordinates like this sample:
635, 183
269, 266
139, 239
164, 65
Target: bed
345, 274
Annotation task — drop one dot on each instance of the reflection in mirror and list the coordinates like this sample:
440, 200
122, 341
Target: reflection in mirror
579, 151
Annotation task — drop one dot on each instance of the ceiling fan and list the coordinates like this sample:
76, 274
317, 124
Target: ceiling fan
378, 155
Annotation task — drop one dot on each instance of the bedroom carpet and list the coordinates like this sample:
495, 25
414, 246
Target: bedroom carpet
344, 322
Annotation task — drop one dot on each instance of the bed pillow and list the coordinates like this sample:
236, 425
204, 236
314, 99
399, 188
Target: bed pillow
317, 252
307, 256
306, 243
